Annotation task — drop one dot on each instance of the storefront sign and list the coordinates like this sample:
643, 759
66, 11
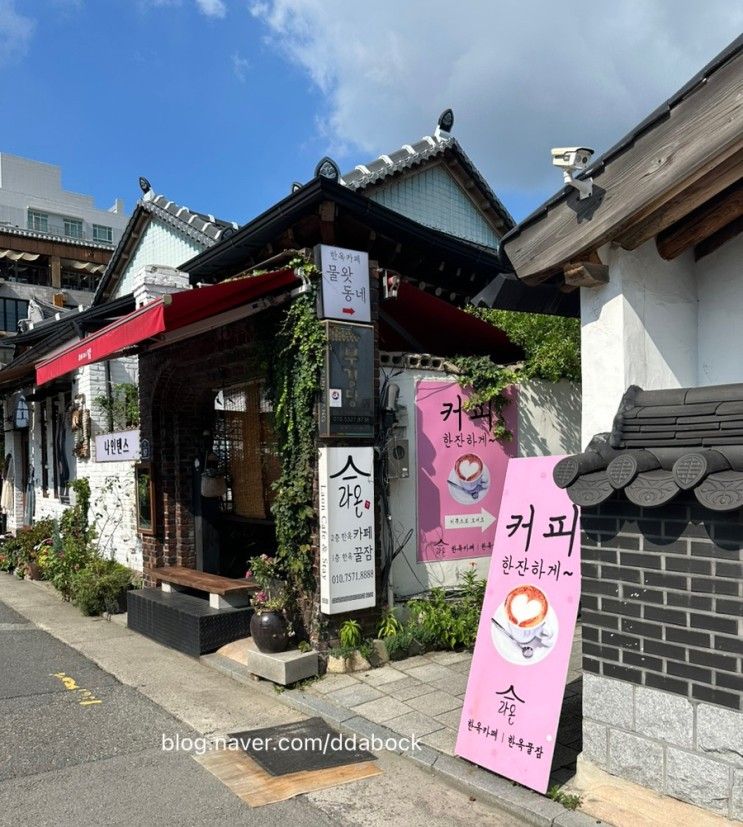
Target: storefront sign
517, 679
117, 447
461, 468
347, 571
347, 398
21, 418
345, 284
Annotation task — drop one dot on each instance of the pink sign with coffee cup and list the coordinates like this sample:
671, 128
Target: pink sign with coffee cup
517, 679
461, 468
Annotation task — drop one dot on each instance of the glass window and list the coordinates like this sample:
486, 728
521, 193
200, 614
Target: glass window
73, 227
102, 233
38, 221
11, 312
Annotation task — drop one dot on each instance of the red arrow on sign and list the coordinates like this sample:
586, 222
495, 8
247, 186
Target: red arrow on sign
349, 310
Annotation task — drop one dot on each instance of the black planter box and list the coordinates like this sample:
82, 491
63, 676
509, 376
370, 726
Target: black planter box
183, 622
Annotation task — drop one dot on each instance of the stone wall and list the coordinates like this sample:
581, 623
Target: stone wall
662, 607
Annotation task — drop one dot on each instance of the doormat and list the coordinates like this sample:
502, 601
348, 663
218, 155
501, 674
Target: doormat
252, 784
301, 746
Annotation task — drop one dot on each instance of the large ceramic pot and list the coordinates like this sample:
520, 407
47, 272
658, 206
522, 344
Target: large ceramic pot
268, 630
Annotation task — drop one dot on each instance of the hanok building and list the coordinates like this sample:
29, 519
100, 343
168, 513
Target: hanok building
200, 331
655, 248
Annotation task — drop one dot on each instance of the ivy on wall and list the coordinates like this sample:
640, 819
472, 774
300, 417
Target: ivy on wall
551, 346
298, 351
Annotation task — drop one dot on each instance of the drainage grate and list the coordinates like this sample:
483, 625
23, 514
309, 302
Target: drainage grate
300, 747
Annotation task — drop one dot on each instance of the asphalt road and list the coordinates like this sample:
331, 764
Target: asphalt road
79, 747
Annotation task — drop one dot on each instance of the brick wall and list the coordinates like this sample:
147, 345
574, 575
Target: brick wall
662, 608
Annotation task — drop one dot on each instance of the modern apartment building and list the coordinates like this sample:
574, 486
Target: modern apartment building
54, 244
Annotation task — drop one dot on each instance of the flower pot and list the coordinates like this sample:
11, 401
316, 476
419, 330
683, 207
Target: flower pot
268, 630
33, 572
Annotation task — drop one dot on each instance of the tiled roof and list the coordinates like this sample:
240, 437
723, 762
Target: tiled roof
201, 227
661, 443
413, 155
63, 239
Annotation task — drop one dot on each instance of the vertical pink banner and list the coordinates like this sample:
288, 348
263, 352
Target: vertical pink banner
517, 680
461, 469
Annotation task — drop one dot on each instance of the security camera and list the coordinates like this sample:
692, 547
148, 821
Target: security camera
572, 159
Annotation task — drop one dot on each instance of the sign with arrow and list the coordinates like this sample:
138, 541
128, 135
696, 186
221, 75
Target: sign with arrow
344, 291
483, 520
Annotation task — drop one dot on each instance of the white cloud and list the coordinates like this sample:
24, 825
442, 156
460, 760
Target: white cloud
240, 66
212, 8
16, 31
521, 77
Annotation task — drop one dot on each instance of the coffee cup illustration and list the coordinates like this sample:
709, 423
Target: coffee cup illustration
468, 470
526, 612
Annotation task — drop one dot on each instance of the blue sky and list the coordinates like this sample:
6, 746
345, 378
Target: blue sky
223, 103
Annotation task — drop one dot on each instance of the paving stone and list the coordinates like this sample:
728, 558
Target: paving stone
698, 780
414, 723
447, 658
431, 672
382, 709
608, 701
463, 667
638, 759
453, 684
332, 682
412, 663
443, 740
736, 799
435, 703
381, 676
664, 716
402, 693
451, 719
352, 696
720, 733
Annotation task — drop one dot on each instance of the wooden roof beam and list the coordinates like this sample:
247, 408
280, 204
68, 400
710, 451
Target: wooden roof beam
701, 223
707, 183
714, 242
700, 130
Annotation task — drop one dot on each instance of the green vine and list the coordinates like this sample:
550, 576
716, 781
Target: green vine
121, 406
293, 384
551, 347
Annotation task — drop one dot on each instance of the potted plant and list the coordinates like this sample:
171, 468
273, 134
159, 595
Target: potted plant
268, 626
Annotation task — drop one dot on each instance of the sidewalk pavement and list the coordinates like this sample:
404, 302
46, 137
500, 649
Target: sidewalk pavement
423, 696
214, 706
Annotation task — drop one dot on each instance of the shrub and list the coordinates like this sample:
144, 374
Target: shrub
350, 634
99, 586
69, 556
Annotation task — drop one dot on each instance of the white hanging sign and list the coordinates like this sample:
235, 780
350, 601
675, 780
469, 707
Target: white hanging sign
345, 284
117, 447
347, 567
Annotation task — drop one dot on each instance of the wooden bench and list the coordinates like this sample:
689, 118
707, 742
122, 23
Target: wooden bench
224, 592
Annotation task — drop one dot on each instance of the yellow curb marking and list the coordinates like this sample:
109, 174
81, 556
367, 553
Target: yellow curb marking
88, 698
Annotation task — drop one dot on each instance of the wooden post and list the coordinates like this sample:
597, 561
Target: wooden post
55, 264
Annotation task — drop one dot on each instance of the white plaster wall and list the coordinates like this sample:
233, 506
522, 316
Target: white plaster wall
640, 328
545, 428
112, 489
720, 332
549, 418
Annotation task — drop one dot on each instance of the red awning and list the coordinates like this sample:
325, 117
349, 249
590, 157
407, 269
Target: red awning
420, 322
171, 312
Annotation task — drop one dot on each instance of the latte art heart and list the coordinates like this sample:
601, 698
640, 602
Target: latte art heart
525, 610
468, 469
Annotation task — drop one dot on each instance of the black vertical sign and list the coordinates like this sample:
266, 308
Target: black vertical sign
347, 400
